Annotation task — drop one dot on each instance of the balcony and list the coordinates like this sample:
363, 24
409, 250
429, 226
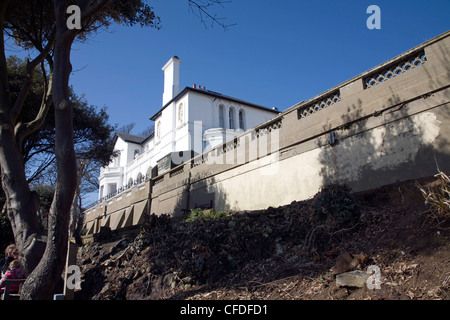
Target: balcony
110, 171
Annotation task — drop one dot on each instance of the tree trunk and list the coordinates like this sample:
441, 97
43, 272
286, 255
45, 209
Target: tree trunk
40, 283
76, 204
20, 201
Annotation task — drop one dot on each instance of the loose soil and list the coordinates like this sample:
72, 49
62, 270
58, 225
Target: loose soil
279, 253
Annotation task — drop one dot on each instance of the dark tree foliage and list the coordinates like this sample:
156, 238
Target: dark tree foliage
93, 135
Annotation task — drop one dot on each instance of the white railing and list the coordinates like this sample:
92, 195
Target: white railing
111, 170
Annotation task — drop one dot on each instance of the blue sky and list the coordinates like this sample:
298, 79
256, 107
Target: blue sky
279, 53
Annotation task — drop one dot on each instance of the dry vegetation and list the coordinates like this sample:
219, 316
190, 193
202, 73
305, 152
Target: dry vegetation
282, 253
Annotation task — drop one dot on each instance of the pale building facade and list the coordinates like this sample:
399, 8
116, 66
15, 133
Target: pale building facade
192, 120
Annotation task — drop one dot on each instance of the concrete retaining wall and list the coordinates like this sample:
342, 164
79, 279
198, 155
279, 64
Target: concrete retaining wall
391, 123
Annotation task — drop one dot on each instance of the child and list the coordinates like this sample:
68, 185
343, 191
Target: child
15, 272
4, 262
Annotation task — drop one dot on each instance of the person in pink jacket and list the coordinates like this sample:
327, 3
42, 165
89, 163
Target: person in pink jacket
14, 272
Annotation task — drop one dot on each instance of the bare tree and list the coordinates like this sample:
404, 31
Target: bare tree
126, 128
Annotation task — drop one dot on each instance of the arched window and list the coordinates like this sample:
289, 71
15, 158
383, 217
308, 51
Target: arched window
136, 153
180, 113
231, 118
242, 119
130, 182
158, 130
139, 177
221, 117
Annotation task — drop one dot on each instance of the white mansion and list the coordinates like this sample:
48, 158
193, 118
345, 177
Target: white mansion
192, 120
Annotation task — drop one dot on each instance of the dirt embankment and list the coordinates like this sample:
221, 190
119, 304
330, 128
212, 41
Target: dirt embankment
281, 253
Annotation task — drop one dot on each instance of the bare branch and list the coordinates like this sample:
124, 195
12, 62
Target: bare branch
201, 8
44, 164
22, 130
17, 108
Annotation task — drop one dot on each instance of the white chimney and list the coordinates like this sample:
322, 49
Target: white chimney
171, 79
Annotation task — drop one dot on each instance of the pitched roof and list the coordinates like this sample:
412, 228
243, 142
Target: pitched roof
130, 137
216, 95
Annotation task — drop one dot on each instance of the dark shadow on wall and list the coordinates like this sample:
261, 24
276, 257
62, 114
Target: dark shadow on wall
442, 57
385, 147
204, 194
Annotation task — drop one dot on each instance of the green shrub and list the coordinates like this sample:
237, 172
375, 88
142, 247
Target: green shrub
205, 214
